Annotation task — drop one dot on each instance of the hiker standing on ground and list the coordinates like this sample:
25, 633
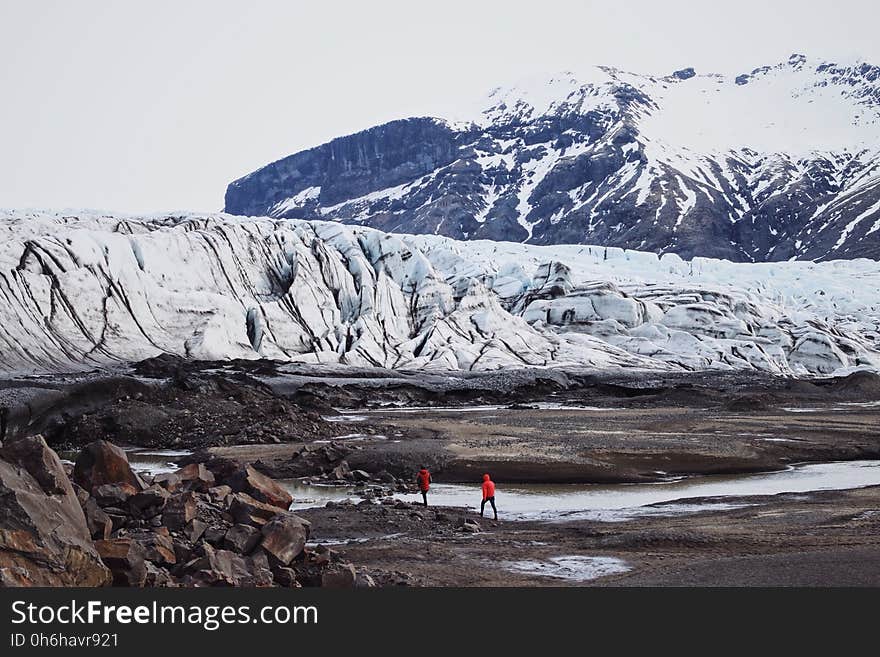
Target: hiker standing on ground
488, 495
424, 481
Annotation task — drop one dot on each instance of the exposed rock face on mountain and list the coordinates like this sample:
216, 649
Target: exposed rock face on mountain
779, 163
88, 290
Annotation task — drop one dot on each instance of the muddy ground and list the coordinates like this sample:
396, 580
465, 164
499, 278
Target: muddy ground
523, 444
829, 538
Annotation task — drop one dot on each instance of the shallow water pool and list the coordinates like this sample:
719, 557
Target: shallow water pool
620, 502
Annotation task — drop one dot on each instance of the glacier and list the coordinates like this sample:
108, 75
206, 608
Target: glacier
83, 290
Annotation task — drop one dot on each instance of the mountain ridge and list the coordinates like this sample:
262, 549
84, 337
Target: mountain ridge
651, 163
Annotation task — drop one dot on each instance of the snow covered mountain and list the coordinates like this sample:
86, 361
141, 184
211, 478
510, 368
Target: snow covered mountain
779, 163
83, 290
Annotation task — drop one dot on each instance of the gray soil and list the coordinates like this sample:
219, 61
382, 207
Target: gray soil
828, 538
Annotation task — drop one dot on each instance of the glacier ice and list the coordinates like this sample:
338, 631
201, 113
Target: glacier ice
83, 290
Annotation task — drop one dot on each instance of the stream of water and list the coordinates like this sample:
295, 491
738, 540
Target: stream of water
619, 502
603, 502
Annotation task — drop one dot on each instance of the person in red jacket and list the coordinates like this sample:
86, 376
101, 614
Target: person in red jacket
488, 495
423, 479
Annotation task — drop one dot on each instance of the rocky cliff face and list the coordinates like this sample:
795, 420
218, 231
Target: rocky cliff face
87, 290
779, 163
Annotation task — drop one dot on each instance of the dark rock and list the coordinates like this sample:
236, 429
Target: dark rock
341, 471
114, 495
180, 509
183, 551
285, 576
194, 530
126, 559
684, 74
218, 567
322, 555
221, 468
32, 455
339, 576
242, 538
81, 494
215, 534
312, 459
99, 523
259, 486
470, 526
385, 477
260, 570
118, 517
197, 477
364, 581
169, 481
360, 475
157, 577
158, 545
101, 463
285, 536
248, 511
44, 540
153, 497
219, 493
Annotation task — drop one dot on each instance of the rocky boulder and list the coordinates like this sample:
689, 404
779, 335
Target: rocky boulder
285, 536
196, 476
100, 524
213, 567
149, 502
44, 537
126, 559
339, 576
242, 538
248, 511
101, 463
248, 480
180, 509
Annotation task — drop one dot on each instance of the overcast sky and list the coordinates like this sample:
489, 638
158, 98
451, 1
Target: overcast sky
155, 106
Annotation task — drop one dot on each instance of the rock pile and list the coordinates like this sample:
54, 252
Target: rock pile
327, 464
181, 410
215, 523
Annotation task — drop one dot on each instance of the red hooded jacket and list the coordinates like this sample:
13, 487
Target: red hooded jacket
488, 487
424, 480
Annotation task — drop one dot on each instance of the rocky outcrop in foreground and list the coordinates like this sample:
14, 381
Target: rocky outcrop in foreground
221, 524
44, 539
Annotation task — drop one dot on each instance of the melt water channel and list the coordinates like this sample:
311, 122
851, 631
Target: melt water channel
597, 502
600, 502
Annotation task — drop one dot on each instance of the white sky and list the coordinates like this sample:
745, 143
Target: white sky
155, 106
